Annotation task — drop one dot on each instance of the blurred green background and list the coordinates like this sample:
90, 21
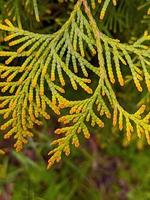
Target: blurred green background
104, 168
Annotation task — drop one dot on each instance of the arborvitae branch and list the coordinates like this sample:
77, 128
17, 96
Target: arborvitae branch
36, 86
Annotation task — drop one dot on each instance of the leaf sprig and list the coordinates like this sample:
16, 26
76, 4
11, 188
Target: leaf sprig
34, 88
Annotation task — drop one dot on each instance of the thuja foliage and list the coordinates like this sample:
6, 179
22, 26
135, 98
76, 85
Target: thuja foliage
38, 66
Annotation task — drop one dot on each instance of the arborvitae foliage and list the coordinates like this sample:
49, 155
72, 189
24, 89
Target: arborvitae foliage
40, 69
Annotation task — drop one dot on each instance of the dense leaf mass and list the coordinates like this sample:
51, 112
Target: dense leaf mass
39, 67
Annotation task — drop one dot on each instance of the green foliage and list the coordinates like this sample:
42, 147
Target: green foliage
39, 70
14, 9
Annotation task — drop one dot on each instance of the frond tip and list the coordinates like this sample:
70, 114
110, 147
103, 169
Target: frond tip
105, 4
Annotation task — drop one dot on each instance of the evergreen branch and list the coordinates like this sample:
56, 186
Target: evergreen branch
83, 110
48, 60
